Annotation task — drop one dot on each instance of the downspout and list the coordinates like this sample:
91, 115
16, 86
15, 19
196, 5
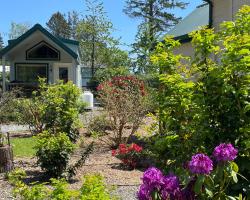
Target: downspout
210, 12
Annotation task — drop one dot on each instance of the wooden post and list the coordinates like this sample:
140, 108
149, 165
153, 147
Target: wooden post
6, 159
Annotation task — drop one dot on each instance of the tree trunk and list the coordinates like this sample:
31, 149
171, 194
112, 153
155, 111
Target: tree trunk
6, 159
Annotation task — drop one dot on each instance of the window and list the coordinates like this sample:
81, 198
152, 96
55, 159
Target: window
29, 73
63, 74
42, 51
86, 76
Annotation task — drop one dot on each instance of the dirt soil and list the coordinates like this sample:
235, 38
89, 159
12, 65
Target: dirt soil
100, 161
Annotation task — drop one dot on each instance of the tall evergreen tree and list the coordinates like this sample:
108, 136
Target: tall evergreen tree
157, 18
1, 42
59, 26
73, 21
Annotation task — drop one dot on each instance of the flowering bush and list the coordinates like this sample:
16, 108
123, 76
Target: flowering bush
130, 155
206, 180
125, 101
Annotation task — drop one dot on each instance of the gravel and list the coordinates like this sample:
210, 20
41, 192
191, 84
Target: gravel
127, 192
5, 189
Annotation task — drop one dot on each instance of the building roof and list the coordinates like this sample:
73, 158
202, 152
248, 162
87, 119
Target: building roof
70, 46
198, 18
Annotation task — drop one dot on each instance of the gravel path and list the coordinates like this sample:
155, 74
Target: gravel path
127, 192
5, 189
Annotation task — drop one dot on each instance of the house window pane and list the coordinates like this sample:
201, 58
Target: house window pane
43, 51
86, 76
29, 73
63, 74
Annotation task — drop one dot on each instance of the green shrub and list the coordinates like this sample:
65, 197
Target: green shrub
53, 152
93, 188
98, 125
205, 102
54, 107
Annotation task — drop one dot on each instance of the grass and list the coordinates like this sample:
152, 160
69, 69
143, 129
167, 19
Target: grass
23, 147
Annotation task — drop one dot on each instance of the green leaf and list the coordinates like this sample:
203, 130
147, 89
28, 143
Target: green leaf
234, 175
198, 184
234, 167
209, 192
231, 198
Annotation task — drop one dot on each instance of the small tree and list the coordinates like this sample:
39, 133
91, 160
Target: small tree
124, 99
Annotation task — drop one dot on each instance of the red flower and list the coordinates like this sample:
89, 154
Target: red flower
100, 87
114, 152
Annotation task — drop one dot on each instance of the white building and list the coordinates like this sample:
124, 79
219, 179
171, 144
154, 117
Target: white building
37, 53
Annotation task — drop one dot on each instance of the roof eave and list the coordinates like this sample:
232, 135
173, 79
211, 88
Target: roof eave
46, 33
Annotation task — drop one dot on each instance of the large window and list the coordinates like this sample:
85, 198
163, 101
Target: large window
29, 73
86, 76
42, 51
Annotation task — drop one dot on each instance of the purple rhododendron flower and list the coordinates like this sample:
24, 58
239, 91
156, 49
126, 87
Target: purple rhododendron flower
153, 177
225, 152
171, 187
144, 192
200, 164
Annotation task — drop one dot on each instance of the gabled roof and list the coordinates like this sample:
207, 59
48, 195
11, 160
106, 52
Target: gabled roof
65, 44
198, 18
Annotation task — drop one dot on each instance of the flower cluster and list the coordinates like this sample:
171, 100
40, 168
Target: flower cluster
167, 187
200, 164
128, 154
122, 83
157, 186
225, 152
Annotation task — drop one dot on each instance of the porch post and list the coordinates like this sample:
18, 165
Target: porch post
4, 74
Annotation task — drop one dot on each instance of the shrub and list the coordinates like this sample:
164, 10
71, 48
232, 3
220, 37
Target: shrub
99, 125
130, 155
124, 99
205, 102
93, 188
205, 180
54, 107
7, 108
53, 152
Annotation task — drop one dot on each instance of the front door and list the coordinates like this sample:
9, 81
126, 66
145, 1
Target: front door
63, 74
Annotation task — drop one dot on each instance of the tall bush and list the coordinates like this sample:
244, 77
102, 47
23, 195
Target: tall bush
206, 101
124, 99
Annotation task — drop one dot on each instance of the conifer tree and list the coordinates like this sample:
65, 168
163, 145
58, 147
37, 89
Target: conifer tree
59, 26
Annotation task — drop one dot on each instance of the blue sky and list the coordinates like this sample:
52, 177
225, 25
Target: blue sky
40, 11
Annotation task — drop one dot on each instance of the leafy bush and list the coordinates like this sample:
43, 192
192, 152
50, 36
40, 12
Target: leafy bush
7, 108
204, 179
125, 101
53, 152
102, 75
130, 155
54, 107
93, 188
99, 125
205, 102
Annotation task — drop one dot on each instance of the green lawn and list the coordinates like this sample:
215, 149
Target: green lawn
23, 147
